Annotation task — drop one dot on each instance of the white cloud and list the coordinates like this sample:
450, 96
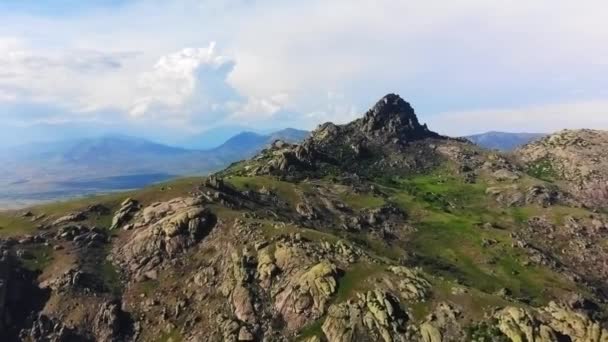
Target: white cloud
280, 59
189, 76
70, 78
538, 118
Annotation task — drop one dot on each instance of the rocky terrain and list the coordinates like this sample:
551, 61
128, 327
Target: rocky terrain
377, 230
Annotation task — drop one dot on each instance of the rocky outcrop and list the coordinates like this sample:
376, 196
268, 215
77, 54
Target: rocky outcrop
111, 323
411, 284
520, 326
305, 299
442, 325
393, 118
124, 213
45, 329
160, 237
74, 217
373, 316
575, 324
387, 138
578, 157
555, 322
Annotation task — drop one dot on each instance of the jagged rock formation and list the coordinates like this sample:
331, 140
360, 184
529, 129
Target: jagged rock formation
388, 137
576, 157
374, 316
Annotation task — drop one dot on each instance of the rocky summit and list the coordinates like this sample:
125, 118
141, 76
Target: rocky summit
377, 230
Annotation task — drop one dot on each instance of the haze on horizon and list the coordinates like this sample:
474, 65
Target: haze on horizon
170, 71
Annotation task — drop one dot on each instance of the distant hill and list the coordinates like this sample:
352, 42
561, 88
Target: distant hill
68, 168
503, 141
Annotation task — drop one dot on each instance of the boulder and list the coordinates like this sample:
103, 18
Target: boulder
374, 316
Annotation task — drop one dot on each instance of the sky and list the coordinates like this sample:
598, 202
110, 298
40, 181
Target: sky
176, 71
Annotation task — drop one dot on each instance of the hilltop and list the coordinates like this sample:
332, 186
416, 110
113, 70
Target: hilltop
377, 230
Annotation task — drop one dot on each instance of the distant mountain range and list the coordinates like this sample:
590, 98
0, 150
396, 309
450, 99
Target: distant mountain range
45, 171
504, 141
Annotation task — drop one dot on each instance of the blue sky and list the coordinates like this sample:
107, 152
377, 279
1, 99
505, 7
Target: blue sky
174, 70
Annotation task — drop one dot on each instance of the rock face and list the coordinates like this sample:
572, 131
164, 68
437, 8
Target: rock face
305, 300
556, 322
127, 208
161, 237
393, 118
578, 157
374, 316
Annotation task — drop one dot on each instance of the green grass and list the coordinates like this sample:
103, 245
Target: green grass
311, 330
40, 258
448, 214
110, 277
11, 224
354, 279
362, 201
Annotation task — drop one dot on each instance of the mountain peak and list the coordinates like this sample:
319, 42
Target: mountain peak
394, 117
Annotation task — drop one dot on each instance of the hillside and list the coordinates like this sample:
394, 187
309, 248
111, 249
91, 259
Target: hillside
377, 230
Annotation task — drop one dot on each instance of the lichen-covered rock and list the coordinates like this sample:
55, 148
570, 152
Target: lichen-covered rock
411, 284
374, 316
520, 326
305, 298
266, 267
442, 325
163, 238
127, 208
576, 325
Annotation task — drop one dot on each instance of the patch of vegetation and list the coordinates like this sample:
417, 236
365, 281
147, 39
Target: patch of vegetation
543, 169
362, 201
148, 287
38, 258
354, 279
171, 336
484, 332
110, 277
12, 225
448, 214
313, 329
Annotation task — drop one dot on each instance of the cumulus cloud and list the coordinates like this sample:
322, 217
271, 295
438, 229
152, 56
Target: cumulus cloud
192, 75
